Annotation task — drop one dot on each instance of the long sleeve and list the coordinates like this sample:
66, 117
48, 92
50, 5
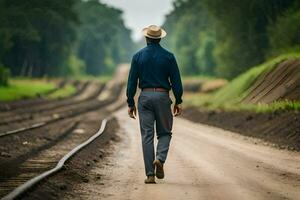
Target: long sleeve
175, 80
132, 83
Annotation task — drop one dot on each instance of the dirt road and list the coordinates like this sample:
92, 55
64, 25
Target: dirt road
204, 163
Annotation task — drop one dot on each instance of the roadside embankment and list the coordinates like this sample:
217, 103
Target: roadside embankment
264, 103
280, 128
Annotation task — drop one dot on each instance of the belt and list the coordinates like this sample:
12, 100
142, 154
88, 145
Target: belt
155, 89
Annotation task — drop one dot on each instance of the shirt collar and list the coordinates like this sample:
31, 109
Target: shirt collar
153, 44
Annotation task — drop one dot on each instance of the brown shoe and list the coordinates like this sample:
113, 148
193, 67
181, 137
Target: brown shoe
160, 174
150, 180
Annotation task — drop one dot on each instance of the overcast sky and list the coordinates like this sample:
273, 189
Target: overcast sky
141, 13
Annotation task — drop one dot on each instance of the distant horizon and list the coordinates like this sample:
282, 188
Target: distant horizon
139, 14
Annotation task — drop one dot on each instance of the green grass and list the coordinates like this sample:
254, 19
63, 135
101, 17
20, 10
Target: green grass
101, 79
197, 78
25, 88
202, 100
230, 96
66, 91
237, 89
262, 107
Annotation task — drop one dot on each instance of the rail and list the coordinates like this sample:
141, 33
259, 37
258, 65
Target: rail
32, 182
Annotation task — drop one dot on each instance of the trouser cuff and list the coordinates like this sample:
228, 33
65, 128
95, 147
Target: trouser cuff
150, 174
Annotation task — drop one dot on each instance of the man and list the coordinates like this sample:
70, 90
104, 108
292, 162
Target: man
157, 72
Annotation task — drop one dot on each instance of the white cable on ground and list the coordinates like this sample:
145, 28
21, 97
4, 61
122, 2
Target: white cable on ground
27, 185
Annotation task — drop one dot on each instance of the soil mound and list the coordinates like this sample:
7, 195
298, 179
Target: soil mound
279, 128
281, 83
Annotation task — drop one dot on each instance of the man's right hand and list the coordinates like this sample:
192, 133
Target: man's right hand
177, 110
132, 112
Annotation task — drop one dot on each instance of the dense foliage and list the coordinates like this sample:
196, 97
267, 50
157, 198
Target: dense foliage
227, 37
4, 75
61, 37
103, 39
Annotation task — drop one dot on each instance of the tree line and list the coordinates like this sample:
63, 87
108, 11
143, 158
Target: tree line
226, 37
61, 37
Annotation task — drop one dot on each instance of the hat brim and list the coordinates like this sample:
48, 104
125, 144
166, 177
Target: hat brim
163, 34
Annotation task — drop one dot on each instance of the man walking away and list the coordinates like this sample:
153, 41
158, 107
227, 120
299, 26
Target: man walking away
157, 72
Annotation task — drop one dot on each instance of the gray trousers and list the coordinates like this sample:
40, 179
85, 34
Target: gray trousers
154, 109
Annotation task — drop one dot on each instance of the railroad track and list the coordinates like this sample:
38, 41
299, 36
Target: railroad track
43, 158
39, 147
12, 106
19, 107
90, 91
56, 115
44, 165
31, 113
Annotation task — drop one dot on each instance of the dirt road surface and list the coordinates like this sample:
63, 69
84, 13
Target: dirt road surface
204, 163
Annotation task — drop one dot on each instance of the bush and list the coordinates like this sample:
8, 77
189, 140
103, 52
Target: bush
76, 66
284, 34
4, 76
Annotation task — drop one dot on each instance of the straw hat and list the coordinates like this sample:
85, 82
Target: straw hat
154, 32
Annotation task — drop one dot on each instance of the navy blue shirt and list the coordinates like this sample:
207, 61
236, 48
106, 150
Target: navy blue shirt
154, 67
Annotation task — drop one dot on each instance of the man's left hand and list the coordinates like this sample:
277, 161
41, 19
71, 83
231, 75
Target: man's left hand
177, 110
132, 112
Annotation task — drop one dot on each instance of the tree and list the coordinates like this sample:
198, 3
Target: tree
41, 35
41, 38
285, 31
187, 23
104, 41
242, 39
227, 37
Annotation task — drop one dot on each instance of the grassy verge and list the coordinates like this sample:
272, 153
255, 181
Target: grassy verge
66, 91
230, 96
25, 88
197, 78
101, 79
202, 100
